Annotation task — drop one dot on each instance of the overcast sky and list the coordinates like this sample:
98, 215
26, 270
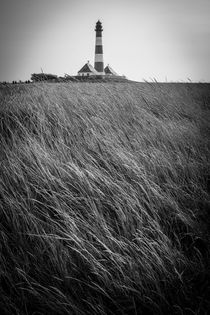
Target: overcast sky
142, 39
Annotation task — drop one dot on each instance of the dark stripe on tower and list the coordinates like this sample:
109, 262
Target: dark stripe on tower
99, 49
98, 33
99, 66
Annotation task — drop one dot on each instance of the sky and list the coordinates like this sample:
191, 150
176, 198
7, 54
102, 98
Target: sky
165, 40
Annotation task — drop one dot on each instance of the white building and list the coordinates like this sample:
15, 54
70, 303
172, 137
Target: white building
87, 70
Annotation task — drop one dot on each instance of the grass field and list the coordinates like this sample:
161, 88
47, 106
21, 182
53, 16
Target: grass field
104, 199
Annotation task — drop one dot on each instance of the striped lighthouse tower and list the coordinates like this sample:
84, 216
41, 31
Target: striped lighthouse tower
99, 63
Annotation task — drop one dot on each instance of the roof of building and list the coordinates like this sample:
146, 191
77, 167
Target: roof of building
88, 68
109, 70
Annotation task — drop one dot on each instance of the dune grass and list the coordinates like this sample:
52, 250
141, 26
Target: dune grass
104, 198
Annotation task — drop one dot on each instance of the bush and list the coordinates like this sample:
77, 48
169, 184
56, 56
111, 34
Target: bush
36, 77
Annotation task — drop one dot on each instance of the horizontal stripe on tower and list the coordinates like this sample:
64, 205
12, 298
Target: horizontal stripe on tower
98, 57
99, 49
98, 34
99, 66
99, 41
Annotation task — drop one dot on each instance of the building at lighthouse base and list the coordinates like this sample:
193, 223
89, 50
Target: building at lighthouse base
89, 72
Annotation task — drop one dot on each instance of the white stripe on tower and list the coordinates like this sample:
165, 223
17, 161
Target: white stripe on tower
98, 41
98, 58
99, 63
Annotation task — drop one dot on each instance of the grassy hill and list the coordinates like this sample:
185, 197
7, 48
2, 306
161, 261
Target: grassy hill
104, 198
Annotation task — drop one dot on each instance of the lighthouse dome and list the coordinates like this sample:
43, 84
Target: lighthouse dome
98, 26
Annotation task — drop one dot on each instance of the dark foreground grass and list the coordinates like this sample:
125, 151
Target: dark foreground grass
104, 199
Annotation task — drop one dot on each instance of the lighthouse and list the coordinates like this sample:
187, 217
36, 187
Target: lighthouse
98, 71
99, 62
